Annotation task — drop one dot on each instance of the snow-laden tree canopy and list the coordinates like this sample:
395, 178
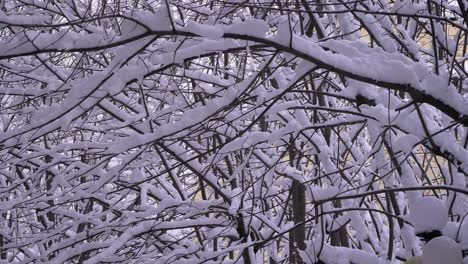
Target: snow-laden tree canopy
179, 131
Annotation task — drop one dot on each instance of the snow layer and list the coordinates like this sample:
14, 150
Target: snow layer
442, 250
427, 214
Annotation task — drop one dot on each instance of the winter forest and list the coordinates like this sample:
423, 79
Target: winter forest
243, 131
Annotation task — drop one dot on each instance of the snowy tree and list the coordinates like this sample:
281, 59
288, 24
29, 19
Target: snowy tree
184, 131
